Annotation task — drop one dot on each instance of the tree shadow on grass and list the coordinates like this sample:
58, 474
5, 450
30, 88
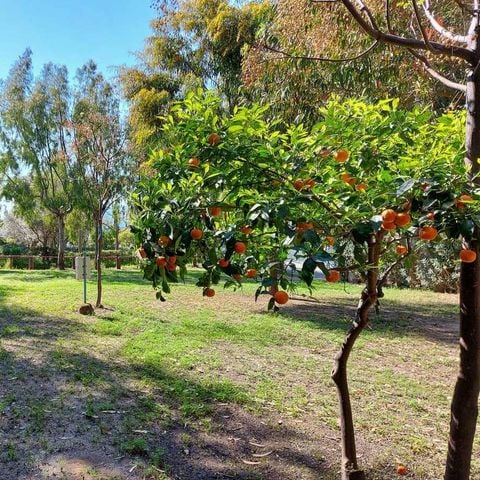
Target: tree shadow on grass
67, 412
435, 322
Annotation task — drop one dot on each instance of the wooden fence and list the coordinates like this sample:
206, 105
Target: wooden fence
69, 260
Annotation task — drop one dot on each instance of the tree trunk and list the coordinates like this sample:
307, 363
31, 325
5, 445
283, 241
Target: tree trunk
61, 242
350, 470
464, 408
98, 260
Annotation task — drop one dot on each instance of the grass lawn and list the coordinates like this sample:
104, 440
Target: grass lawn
205, 389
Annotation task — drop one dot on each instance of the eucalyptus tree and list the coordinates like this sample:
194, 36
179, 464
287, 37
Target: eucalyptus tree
104, 164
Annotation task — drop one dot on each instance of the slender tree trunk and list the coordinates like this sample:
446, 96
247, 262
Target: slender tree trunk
98, 260
117, 245
61, 242
350, 470
464, 408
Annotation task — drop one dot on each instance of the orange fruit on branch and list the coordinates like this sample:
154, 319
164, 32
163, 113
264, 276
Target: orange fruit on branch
142, 253
164, 241
161, 261
333, 276
238, 277
389, 226
467, 255
196, 234
389, 215
431, 216
251, 273
281, 297
213, 139
298, 184
341, 156
172, 260
402, 219
215, 211
361, 187
246, 230
427, 233
240, 247
330, 240
194, 162
223, 263
171, 266
401, 249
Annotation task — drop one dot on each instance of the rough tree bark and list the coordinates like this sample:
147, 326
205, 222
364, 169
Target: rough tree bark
61, 242
350, 470
464, 408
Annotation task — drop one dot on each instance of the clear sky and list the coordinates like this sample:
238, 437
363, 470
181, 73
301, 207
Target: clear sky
70, 32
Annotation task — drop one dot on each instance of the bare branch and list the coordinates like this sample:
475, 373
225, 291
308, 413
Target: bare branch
440, 28
436, 75
413, 43
418, 17
321, 59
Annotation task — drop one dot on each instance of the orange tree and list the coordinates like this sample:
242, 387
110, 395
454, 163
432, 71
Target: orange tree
246, 196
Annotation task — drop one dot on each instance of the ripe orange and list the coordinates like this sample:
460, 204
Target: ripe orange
427, 233
389, 226
142, 253
161, 261
298, 184
462, 198
330, 241
333, 276
215, 211
213, 139
194, 162
223, 263
251, 273
361, 187
424, 186
468, 256
196, 234
402, 469
346, 177
171, 267
309, 225
431, 216
389, 215
164, 241
246, 230
310, 183
172, 260
281, 297
341, 156
237, 276
210, 292
401, 249
240, 247
402, 219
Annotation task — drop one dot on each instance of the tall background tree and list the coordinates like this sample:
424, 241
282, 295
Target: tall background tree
103, 163
34, 133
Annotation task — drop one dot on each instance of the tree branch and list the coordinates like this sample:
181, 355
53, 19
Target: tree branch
439, 28
413, 43
436, 75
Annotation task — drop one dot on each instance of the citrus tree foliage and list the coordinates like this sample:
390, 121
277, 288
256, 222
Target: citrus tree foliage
194, 43
279, 70
240, 192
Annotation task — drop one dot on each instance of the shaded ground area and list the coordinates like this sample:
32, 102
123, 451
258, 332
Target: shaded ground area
197, 389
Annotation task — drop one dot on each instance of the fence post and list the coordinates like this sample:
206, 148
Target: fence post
30, 263
118, 262
11, 262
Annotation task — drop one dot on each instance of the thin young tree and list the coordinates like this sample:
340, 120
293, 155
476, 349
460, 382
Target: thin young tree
416, 27
103, 162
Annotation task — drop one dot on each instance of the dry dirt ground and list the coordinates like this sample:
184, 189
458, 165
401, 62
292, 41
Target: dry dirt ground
76, 404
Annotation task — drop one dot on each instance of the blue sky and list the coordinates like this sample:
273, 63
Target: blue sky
71, 32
